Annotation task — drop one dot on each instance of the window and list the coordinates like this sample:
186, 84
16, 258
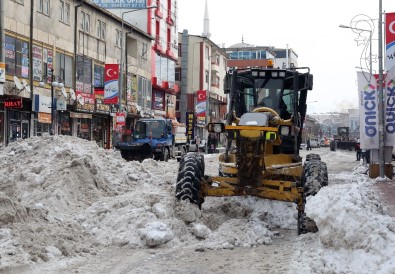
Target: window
101, 29
118, 38
178, 74
207, 53
144, 54
98, 76
64, 68
64, 12
207, 75
84, 69
85, 22
43, 7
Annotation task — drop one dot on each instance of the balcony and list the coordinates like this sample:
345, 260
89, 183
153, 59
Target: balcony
158, 13
170, 18
214, 67
158, 45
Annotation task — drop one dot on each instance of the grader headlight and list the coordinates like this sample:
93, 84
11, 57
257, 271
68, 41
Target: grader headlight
271, 136
284, 130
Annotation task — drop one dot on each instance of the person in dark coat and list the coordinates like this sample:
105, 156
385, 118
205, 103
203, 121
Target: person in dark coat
358, 151
308, 147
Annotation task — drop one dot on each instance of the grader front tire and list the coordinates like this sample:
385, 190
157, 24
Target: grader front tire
190, 174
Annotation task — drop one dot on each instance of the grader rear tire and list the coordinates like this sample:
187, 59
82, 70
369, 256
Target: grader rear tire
190, 174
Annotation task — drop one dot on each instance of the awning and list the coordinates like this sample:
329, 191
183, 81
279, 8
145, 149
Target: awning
80, 115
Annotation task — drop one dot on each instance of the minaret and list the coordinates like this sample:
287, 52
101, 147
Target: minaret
206, 23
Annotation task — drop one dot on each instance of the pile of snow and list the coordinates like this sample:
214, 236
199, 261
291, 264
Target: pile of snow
65, 196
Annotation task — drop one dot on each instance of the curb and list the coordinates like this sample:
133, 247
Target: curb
386, 189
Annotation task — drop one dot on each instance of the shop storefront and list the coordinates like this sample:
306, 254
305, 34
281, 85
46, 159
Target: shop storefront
101, 131
17, 116
64, 123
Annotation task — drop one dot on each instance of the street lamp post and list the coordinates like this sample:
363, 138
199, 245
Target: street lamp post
54, 84
123, 44
370, 43
380, 86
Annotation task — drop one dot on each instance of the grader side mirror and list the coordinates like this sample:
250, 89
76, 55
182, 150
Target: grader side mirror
216, 127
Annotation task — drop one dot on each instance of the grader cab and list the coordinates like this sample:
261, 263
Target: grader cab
263, 133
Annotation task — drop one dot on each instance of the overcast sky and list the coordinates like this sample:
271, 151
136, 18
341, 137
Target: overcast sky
309, 27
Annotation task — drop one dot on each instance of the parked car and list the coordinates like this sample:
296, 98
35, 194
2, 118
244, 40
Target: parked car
324, 142
201, 147
314, 143
192, 147
302, 146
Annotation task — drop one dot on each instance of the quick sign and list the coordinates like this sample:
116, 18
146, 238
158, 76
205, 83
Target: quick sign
13, 103
121, 4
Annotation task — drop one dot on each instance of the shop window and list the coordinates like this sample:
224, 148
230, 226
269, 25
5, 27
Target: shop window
83, 128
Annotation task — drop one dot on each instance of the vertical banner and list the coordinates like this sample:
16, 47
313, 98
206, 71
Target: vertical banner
368, 111
190, 125
111, 74
389, 108
389, 40
201, 107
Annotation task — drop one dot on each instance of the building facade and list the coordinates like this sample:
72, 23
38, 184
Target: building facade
200, 72
68, 42
158, 20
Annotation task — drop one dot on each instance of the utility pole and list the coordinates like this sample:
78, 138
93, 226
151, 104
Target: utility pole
381, 95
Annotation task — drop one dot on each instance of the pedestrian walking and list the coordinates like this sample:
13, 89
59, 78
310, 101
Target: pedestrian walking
308, 147
358, 151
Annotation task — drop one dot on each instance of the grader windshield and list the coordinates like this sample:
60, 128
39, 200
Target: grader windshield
270, 89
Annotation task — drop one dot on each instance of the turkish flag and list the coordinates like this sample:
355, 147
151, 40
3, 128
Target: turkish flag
201, 96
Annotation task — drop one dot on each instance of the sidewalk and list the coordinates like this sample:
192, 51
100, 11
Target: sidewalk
387, 191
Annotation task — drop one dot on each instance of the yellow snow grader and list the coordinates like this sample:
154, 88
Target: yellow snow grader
263, 130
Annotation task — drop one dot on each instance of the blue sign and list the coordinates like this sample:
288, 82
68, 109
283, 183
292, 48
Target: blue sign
121, 4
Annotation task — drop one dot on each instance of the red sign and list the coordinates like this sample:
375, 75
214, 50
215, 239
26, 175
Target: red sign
13, 103
201, 96
99, 91
390, 40
120, 119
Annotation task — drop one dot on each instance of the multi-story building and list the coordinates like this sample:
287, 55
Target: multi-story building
243, 55
160, 21
201, 72
68, 41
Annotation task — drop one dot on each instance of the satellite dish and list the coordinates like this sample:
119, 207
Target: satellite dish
64, 92
17, 83
72, 94
80, 99
25, 85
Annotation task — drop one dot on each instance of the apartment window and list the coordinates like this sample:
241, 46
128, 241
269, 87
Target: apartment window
118, 38
64, 68
178, 74
16, 57
207, 53
144, 54
64, 12
43, 7
207, 76
84, 71
85, 22
101, 29
98, 76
